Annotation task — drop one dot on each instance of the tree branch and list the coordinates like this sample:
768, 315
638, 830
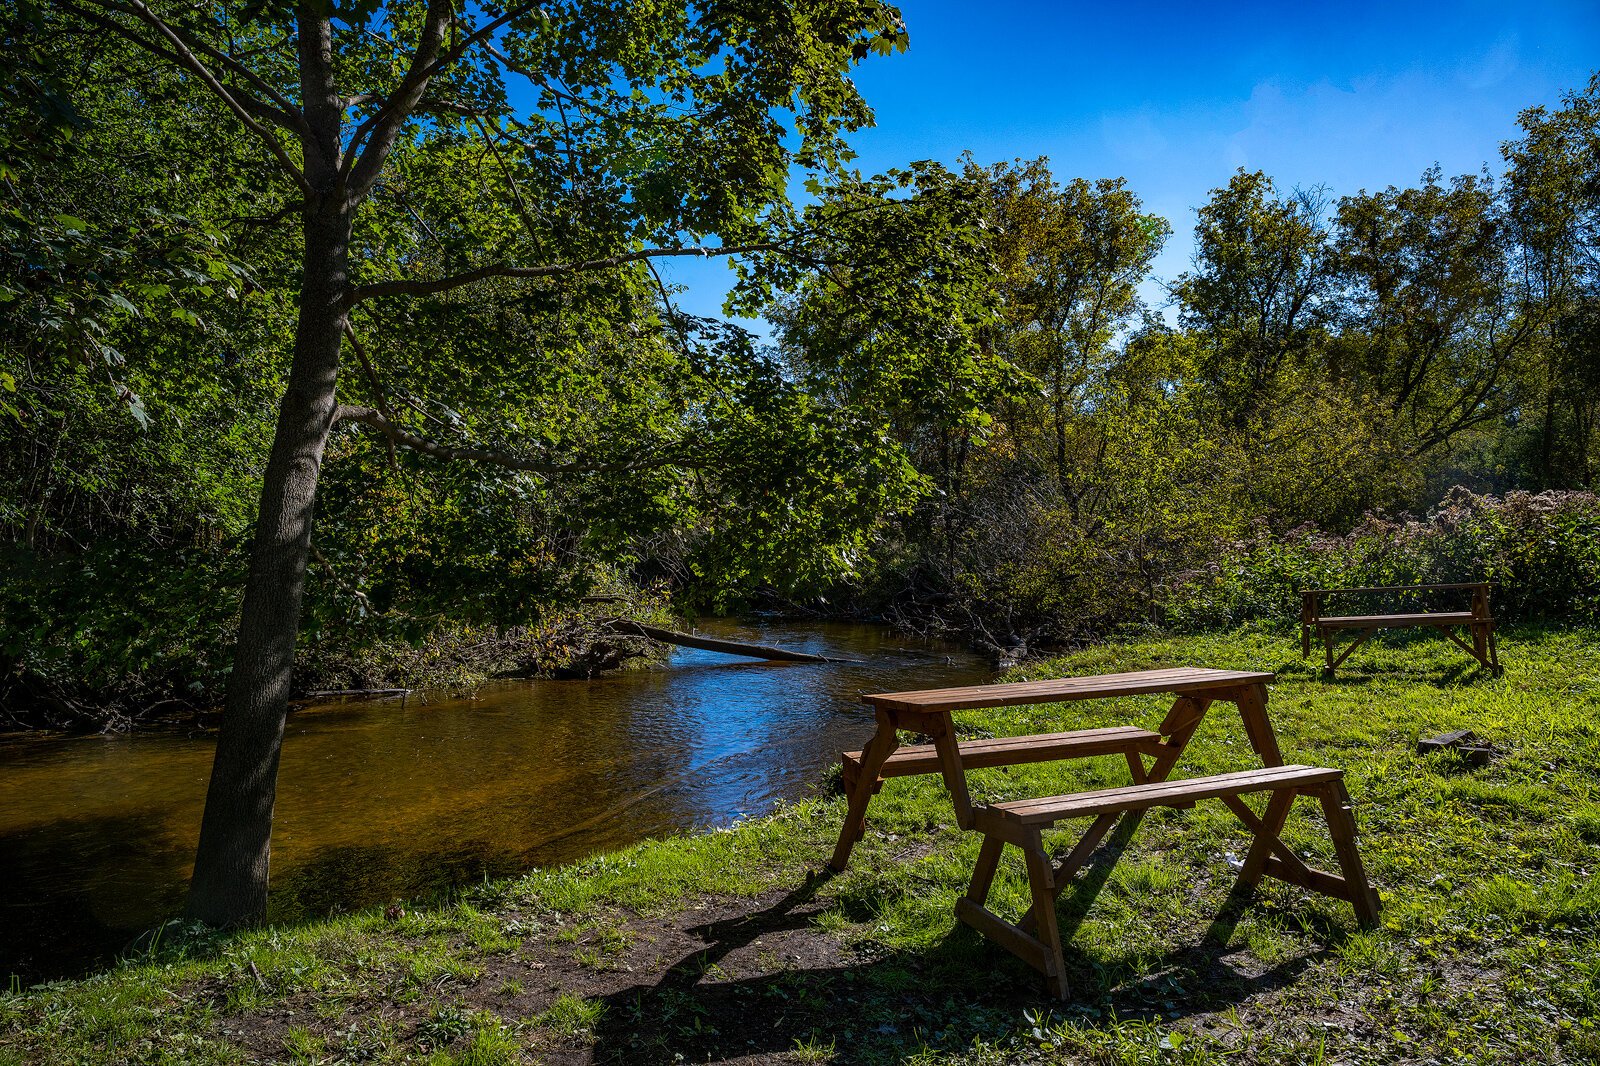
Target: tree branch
506, 270
402, 436
381, 396
423, 73
179, 52
381, 131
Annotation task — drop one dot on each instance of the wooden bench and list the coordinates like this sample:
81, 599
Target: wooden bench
1037, 938
1477, 621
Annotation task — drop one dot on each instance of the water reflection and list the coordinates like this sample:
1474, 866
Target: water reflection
380, 801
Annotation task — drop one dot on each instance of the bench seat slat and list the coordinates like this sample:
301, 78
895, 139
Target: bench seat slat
1010, 751
1396, 621
1050, 809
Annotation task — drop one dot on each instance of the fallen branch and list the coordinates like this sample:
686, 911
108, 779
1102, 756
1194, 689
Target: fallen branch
333, 693
627, 627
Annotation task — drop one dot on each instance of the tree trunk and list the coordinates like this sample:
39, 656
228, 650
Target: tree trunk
230, 872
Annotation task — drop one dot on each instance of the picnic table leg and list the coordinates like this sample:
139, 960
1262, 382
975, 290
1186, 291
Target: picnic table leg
1336, 807
955, 778
1272, 821
1252, 702
873, 756
983, 870
1041, 883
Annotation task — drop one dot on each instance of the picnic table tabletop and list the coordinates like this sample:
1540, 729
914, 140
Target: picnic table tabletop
1179, 680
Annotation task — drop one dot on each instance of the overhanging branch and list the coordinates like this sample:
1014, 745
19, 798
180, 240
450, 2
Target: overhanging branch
550, 270
379, 131
177, 51
385, 127
400, 435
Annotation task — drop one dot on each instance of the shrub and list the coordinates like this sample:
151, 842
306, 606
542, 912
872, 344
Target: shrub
1541, 551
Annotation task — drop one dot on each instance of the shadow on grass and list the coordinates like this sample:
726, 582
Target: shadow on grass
888, 1006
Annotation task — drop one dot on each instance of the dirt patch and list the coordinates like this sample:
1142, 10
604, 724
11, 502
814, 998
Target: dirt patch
744, 981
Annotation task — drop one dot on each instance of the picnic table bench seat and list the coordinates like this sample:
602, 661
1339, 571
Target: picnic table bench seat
1010, 751
1037, 938
1476, 621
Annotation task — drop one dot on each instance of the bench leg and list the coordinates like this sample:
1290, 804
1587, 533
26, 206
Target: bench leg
1476, 649
1042, 951
1271, 856
1342, 827
983, 872
1272, 823
1042, 884
1184, 717
1334, 664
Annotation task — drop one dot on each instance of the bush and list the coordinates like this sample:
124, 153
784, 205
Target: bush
1541, 551
92, 639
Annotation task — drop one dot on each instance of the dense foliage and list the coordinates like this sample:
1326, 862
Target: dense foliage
1326, 364
968, 419
1541, 552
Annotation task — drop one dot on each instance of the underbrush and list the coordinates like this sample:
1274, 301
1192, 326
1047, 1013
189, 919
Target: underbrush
126, 634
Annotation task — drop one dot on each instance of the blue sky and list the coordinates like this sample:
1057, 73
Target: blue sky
1176, 97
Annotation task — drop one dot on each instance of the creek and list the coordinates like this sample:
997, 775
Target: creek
391, 800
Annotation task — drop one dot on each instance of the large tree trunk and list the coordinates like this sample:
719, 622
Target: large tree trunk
230, 873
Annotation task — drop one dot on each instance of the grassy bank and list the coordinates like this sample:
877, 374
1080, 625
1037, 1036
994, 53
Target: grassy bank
721, 947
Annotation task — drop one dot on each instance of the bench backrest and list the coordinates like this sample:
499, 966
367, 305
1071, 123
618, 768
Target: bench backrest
1311, 599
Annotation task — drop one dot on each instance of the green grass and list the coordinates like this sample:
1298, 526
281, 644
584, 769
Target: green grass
1489, 948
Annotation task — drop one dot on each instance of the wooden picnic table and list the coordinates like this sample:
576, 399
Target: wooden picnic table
1036, 937
929, 712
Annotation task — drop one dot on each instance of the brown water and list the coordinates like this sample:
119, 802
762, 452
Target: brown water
379, 801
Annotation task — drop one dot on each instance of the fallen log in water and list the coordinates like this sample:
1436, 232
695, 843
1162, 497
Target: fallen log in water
337, 693
628, 627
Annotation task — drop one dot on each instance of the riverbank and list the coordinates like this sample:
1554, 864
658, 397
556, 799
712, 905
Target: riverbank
720, 947
450, 659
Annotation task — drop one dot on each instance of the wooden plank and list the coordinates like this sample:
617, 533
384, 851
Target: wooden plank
1041, 883
1011, 751
1003, 933
1272, 821
955, 777
1258, 726
1336, 808
1366, 634
1306, 877
1050, 809
1403, 588
878, 749
983, 870
1395, 621
991, 822
1059, 690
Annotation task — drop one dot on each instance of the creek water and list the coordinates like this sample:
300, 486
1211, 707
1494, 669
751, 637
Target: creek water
381, 801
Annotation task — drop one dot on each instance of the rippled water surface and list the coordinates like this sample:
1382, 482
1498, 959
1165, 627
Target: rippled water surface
381, 801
